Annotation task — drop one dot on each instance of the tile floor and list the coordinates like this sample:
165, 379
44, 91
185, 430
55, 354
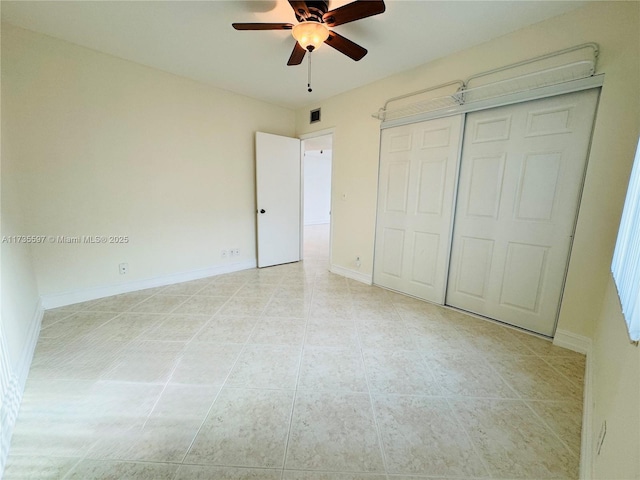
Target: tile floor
292, 373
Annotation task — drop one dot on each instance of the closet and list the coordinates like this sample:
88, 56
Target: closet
477, 210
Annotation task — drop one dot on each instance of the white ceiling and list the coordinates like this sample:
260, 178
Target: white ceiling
195, 39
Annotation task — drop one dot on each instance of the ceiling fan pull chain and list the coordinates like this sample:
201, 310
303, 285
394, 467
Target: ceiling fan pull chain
309, 89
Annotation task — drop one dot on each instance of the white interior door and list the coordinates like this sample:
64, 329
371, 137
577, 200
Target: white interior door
415, 200
278, 199
520, 183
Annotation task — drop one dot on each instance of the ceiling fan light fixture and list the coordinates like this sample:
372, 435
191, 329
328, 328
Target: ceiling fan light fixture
310, 35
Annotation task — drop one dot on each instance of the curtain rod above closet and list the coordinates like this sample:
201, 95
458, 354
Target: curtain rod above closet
543, 82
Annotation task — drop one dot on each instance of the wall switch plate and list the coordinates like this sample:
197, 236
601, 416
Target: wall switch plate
124, 268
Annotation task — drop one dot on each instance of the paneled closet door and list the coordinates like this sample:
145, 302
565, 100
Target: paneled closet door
520, 182
418, 165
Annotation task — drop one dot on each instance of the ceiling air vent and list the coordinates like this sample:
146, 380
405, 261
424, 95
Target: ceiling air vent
314, 116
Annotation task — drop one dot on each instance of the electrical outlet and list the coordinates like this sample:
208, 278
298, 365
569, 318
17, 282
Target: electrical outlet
124, 268
358, 262
235, 251
224, 254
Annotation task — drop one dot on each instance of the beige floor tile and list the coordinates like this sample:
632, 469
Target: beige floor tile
464, 374
227, 329
160, 303
266, 366
333, 432
201, 305
257, 290
177, 328
420, 436
202, 472
245, 428
419, 477
385, 335
120, 404
512, 441
245, 306
439, 342
279, 307
205, 364
328, 332
191, 401
485, 336
321, 308
186, 288
305, 332
76, 326
37, 467
125, 327
399, 372
219, 289
564, 418
279, 331
53, 316
301, 475
119, 303
543, 346
158, 439
332, 369
572, 367
382, 312
532, 378
141, 368
100, 469
66, 437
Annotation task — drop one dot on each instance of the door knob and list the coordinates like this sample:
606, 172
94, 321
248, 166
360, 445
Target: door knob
262, 210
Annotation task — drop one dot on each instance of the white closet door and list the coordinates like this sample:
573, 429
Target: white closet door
415, 201
520, 183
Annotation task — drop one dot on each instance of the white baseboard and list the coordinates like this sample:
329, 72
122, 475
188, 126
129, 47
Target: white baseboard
581, 344
15, 383
353, 274
69, 298
572, 341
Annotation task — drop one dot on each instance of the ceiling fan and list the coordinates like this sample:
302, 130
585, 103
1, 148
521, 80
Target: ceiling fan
314, 19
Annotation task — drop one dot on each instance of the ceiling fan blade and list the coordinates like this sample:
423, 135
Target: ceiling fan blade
297, 55
346, 46
353, 11
299, 8
262, 26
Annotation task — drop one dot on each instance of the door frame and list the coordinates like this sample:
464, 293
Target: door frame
307, 136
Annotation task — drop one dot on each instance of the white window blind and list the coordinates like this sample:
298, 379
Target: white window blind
626, 258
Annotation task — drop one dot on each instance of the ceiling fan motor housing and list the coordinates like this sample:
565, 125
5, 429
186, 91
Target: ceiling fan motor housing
316, 10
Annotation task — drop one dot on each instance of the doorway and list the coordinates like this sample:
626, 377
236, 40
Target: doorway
316, 199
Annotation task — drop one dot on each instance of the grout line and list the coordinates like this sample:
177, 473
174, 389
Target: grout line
462, 427
295, 392
371, 402
552, 430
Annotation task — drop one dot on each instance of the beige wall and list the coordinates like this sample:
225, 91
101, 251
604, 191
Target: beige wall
110, 147
590, 307
614, 25
616, 394
19, 297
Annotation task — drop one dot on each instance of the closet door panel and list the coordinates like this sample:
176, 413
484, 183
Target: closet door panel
521, 176
418, 165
